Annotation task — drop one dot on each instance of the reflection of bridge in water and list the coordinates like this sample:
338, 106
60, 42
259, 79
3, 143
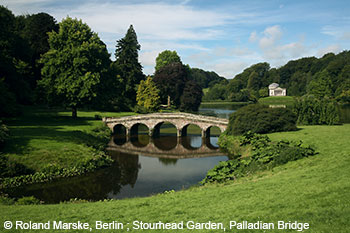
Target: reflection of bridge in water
171, 147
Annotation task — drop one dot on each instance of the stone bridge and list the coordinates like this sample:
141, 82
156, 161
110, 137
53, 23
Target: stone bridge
153, 121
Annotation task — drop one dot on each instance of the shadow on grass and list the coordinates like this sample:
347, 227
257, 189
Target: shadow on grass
21, 136
49, 121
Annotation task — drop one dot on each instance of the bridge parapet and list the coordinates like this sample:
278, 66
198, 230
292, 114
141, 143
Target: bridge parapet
179, 120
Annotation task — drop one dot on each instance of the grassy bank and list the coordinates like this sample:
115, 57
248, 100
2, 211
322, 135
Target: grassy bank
277, 100
41, 137
222, 102
313, 190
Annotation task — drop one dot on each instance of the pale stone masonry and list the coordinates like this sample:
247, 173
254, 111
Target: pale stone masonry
179, 120
275, 90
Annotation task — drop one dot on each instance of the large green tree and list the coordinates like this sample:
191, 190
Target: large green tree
171, 80
321, 85
12, 58
191, 97
33, 29
74, 64
165, 58
128, 66
205, 78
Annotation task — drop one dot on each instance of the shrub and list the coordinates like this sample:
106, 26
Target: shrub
313, 111
263, 154
4, 200
4, 134
10, 168
261, 119
28, 201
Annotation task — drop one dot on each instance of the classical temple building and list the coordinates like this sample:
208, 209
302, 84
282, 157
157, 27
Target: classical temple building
275, 90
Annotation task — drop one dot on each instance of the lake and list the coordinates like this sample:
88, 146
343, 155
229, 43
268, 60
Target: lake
144, 166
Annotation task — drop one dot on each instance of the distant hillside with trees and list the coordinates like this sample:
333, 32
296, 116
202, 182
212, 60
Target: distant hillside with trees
326, 76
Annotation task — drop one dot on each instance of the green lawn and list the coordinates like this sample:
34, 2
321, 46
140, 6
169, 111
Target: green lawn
40, 137
315, 190
222, 102
277, 100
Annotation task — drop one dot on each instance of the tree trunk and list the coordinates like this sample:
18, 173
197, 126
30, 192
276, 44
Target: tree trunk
74, 112
168, 101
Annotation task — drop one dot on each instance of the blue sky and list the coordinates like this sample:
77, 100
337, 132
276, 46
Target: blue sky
222, 36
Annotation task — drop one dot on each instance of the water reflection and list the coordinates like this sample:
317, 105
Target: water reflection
166, 146
143, 166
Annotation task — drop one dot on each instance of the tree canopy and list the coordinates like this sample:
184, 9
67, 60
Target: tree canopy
171, 80
191, 97
74, 64
165, 58
127, 64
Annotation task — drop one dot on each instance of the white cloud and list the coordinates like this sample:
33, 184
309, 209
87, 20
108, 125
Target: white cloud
339, 32
159, 21
345, 36
329, 49
274, 50
229, 68
226, 62
253, 37
271, 36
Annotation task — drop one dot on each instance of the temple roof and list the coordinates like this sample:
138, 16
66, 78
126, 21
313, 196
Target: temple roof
273, 85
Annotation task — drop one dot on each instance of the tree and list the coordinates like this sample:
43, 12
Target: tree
34, 30
253, 81
171, 80
206, 78
217, 92
148, 95
191, 97
127, 64
165, 58
12, 58
8, 105
316, 111
74, 64
321, 85
259, 118
108, 96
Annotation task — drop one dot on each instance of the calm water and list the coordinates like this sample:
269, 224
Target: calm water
144, 166
222, 110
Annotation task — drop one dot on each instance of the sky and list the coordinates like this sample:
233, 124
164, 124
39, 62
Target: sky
224, 36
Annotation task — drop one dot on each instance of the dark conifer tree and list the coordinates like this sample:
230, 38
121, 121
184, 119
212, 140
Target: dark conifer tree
128, 66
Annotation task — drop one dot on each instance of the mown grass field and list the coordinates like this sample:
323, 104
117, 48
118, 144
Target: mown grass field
40, 137
277, 100
315, 190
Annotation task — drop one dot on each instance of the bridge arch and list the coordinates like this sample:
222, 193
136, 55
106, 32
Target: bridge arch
193, 127
212, 131
135, 129
157, 128
119, 129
